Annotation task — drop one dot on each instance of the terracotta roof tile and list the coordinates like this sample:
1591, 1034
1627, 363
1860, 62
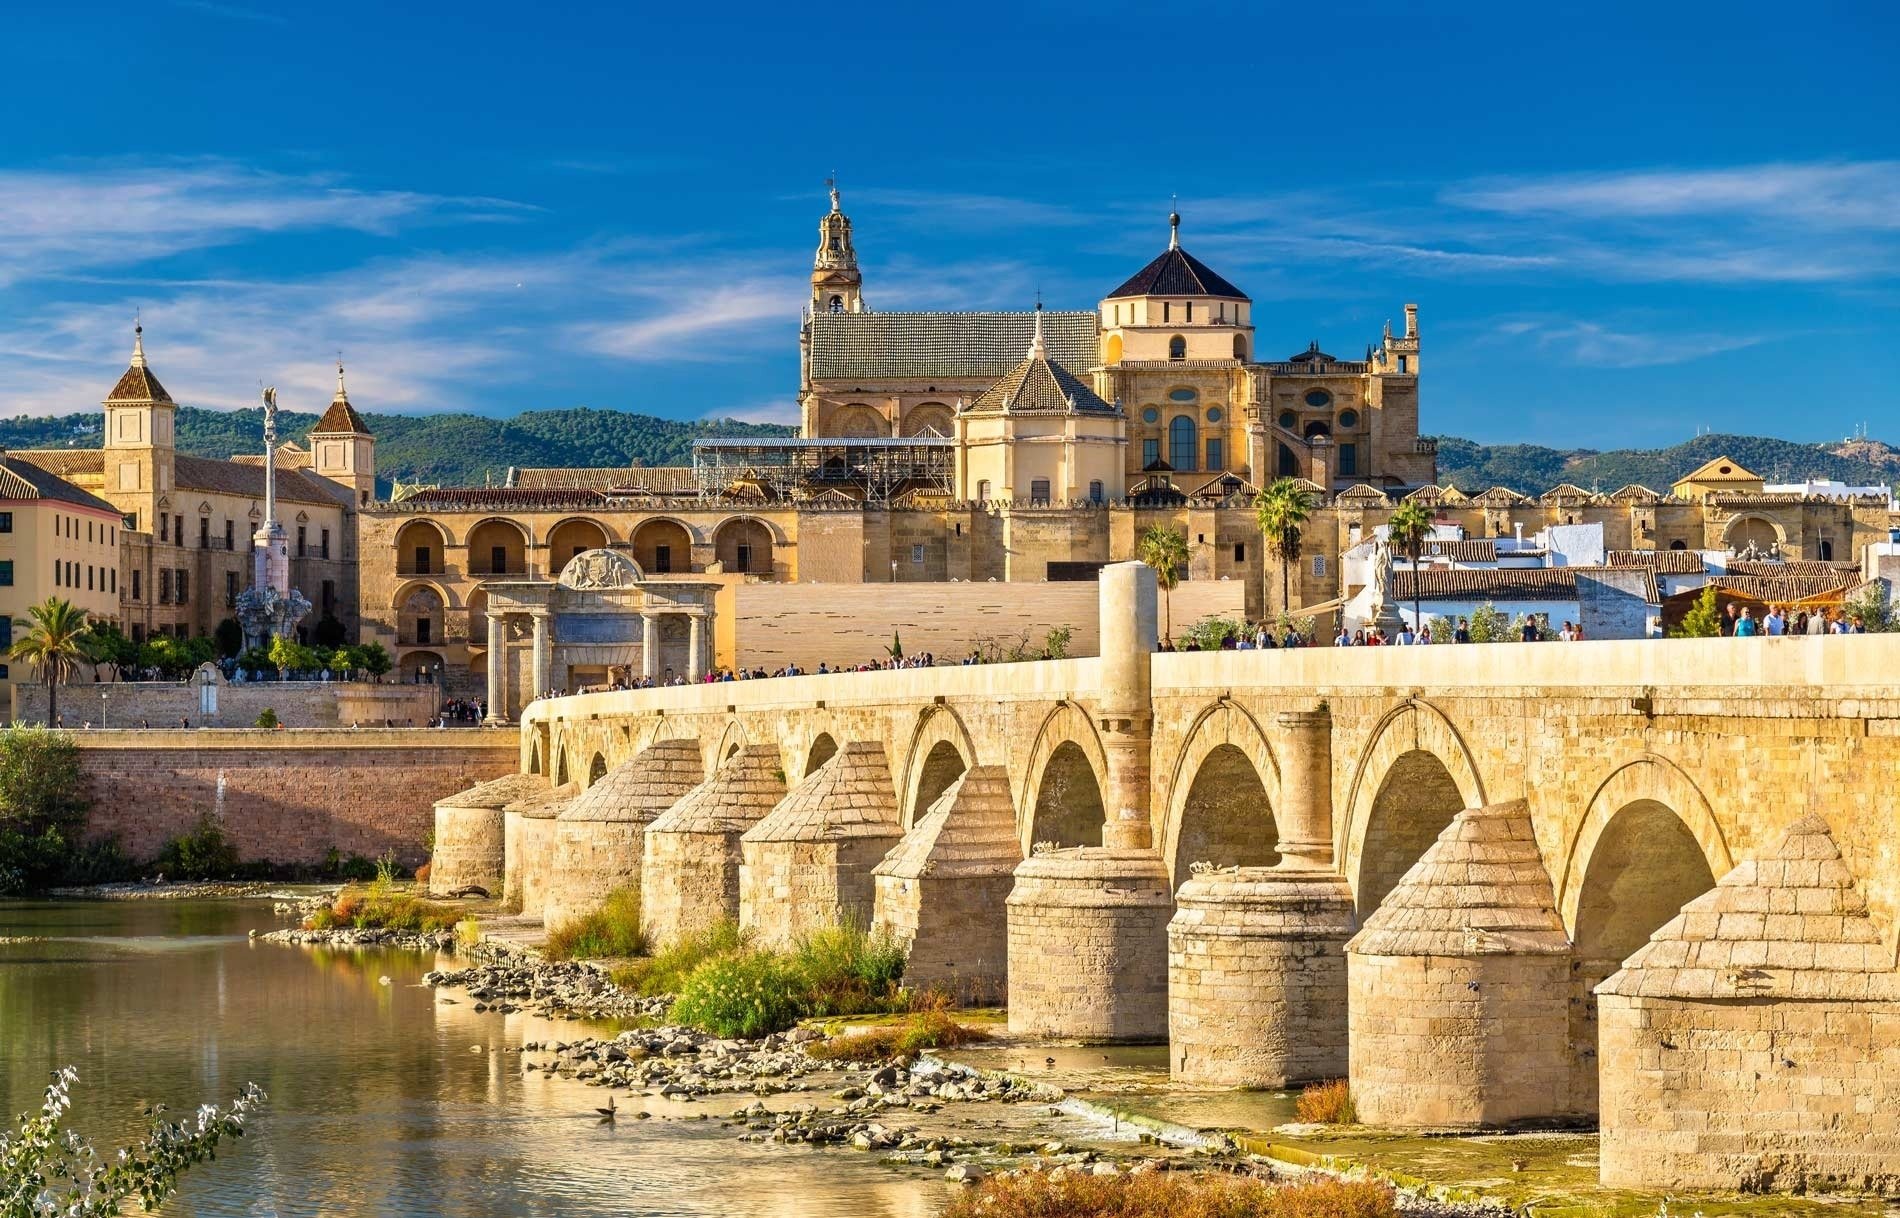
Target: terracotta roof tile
340, 418
658, 479
1663, 562
949, 347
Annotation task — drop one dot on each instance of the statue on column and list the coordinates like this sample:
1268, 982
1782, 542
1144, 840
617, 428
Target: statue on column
270, 608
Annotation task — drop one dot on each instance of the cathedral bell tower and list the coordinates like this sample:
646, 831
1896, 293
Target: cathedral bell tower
836, 285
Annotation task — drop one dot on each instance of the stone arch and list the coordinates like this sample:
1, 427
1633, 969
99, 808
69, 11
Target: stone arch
535, 761
1644, 779
1414, 774
422, 615
823, 748
938, 725
857, 421
596, 769
941, 766
498, 538
1070, 799
1753, 527
934, 416
730, 741
418, 539
408, 587
663, 537
560, 764
745, 544
1215, 804
575, 535
418, 666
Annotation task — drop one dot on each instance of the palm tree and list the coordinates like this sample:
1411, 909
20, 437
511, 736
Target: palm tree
1408, 530
1283, 510
1166, 551
58, 640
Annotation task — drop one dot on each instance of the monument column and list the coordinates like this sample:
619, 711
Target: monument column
497, 694
1306, 789
650, 646
695, 644
1126, 714
540, 662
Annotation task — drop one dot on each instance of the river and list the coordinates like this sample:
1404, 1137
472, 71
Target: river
384, 1100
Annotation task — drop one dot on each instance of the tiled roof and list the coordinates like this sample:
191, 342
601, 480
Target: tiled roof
1473, 550
546, 802
657, 480
950, 347
1361, 493
235, 478
1480, 890
738, 795
1175, 272
1501, 496
64, 461
498, 498
1788, 587
1565, 492
1663, 562
1798, 567
1634, 493
340, 417
1038, 386
638, 790
26, 480
1500, 584
969, 831
1790, 924
848, 796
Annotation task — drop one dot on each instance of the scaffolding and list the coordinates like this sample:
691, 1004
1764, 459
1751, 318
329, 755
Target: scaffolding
871, 470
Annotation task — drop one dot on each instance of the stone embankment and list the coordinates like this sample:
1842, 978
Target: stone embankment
506, 980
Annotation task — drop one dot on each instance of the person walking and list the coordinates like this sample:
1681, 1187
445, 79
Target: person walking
1745, 625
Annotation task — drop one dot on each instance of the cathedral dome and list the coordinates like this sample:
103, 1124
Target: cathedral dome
1175, 272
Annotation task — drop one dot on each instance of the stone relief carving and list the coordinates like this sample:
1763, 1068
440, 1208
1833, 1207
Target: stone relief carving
600, 569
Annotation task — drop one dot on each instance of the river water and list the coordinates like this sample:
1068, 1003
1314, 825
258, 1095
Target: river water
383, 1099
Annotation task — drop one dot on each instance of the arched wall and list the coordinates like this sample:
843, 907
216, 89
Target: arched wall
575, 535
1222, 724
1646, 777
1414, 726
421, 532
1066, 723
676, 536
938, 725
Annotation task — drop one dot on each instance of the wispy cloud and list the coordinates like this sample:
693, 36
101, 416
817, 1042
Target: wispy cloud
1838, 195
784, 411
1592, 344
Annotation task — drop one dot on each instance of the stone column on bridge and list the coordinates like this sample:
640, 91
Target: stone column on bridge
1125, 710
650, 646
695, 646
539, 665
497, 688
1305, 811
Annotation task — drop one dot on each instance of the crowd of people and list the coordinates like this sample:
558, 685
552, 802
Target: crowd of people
1742, 621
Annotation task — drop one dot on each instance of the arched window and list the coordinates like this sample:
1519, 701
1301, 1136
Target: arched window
1827, 550
983, 490
1240, 346
1402, 365
1348, 419
1095, 493
1177, 347
1181, 442
837, 304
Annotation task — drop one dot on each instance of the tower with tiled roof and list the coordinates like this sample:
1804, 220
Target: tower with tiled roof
141, 422
342, 448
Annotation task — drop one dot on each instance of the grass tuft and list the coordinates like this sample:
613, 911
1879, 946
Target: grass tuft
1328, 1103
665, 971
382, 909
930, 1029
612, 930
839, 971
1168, 1195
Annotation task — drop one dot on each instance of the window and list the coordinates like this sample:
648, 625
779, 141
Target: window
498, 560
1150, 452
1319, 566
837, 304
303, 537
1182, 395
138, 632
423, 557
1095, 491
1177, 347
1118, 315
6, 576
178, 528
423, 628
1190, 310
1240, 346
1039, 490
1181, 446
1150, 415
1348, 419
663, 559
1348, 458
1213, 414
1289, 420
1240, 551
917, 555
983, 490
114, 572
1402, 365
227, 535
59, 573
1317, 398
1214, 454
164, 585
6, 636
89, 570
1827, 550
1164, 310
135, 583
323, 545
745, 556
204, 532
179, 581
230, 589
164, 527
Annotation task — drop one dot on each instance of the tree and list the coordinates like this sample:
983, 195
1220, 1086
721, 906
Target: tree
1408, 530
110, 645
229, 637
1166, 551
1283, 510
1703, 621
288, 655
328, 632
58, 640
374, 659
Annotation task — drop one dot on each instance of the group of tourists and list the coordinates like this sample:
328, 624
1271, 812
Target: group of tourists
1742, 622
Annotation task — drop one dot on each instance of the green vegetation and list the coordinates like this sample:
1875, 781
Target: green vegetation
380, 908
1210, 632
45, 1169
54, 644
202, 854
1703, 621
266, 718
750, 992
1487, 624
175, 658
1166, 551
1328, 1103
1169, 1195
1282, 511
1533, 469
665, 971
43, 814
929, 1028
1408, 530
1871, 611
612, 930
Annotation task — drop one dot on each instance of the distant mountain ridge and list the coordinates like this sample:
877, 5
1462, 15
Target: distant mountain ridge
469, 450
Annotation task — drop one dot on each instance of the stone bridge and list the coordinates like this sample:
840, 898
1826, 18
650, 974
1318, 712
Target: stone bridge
1410, 865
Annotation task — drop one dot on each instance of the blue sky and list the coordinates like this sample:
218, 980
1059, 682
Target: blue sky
1621, 223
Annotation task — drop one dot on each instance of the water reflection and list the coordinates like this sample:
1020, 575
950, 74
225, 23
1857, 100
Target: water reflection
384, 1100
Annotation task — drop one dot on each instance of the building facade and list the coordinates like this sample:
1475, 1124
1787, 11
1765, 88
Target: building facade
56, 540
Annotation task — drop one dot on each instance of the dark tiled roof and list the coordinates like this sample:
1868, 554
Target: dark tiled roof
481, 499
236, 478
1461, 551
64, 461
1798, 567
138, 385
948, 347
340, 417
1038, 386
1175, 272
1787, 587
656, 480
1663, 562
24, 479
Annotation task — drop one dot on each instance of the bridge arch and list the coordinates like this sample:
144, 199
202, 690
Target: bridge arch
731, 739
1221, 797
596, 769
1413, 776
1061, 797
940, 751
824, 746
1648, 814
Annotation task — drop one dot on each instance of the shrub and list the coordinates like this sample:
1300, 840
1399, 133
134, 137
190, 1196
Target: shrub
202, 854
611, 930
1169, 1195
1328, 1103
844, 970
422, 875
929, 1029
381, 910
744, 993
666, 971
266, 718
39, 782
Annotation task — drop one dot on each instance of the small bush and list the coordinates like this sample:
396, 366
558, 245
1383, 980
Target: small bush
846, 971
202, 854
744, 994
666, 970
422, 875
611, 930
266, 718
931, 1029
1327, 1103
376, 910
1168, 1195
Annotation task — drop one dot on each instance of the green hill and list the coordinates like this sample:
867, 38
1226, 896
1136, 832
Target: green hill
1532, 469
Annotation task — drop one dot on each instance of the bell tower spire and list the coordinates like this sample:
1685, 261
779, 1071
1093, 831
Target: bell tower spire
836, 285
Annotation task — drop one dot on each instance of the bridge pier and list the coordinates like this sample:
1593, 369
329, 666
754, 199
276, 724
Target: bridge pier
599, 838
689, 874
1460, 985
528, 837
470, 835
807, 865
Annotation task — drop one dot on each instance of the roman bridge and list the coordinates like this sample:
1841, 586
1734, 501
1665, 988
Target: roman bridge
1526, 816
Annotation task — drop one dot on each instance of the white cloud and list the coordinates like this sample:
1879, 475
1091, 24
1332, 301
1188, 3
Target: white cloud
1840, 195
781, 411
1595, 345
688, 321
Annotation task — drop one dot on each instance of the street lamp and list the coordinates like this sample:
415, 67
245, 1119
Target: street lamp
103, 695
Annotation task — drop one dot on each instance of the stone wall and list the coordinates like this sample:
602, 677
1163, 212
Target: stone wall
164, 704
283, 796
